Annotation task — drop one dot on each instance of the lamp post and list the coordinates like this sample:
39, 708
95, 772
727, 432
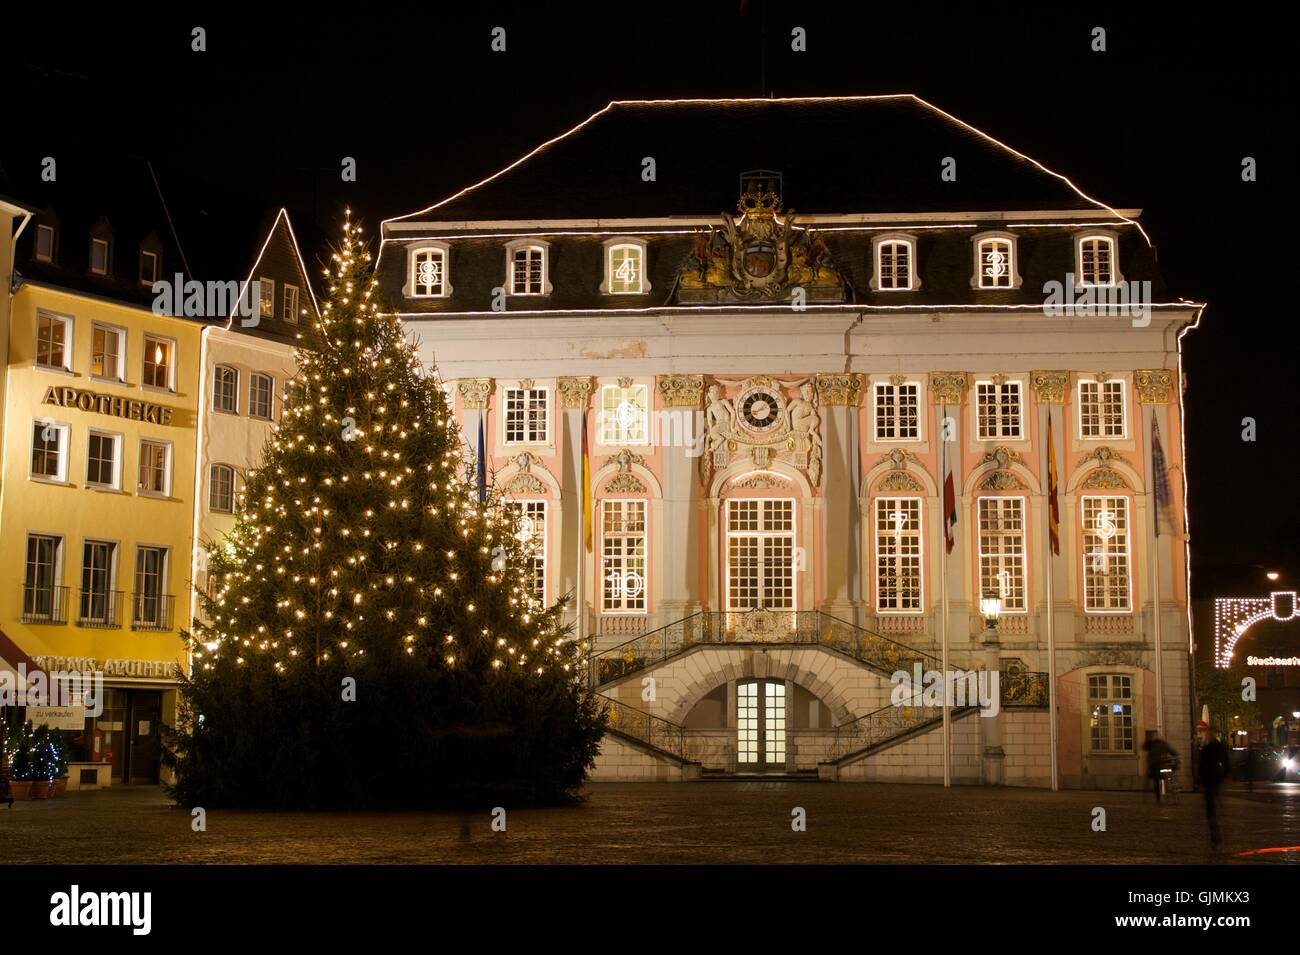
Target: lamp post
991, 724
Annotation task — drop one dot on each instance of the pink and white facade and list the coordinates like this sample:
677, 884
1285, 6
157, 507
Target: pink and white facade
769, 401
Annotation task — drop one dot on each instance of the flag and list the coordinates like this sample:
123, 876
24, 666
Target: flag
482, 461
586, 486
1160, 473
949, 491
1053, 505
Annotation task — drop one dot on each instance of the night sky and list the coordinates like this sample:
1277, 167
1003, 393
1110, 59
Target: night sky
1160, 121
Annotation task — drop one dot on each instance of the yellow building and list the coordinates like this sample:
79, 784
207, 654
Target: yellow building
101, 403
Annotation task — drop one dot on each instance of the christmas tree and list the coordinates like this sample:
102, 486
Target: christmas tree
371, 641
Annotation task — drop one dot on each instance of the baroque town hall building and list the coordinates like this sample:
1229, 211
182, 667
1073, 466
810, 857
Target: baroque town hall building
770, 398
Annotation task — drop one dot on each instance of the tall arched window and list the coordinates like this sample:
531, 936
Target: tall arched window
429, 277
1097, 263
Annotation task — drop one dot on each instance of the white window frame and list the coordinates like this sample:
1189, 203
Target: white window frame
980, 277
56, 571
69, 340
64, 432
212, 488
172, 357
762, 536
878, 244
110, 589
443, 251
43, 229
164, 581
289, 302
253, 378
119, 373
993, 428
527, 396
876, 388
624, 604
1110, 700
116, 438
624, 244
166, 492
1120, 545
879, 555
218, 389
108, 262
611, 433
156, 259
529, 245
1000, 558
1102, 433
539, 564
1081, 278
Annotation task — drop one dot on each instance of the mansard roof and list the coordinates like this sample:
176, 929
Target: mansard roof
862, 154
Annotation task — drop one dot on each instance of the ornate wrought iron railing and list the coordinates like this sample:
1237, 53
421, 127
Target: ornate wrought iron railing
779, 627
1023, 688
880, 725
646, 727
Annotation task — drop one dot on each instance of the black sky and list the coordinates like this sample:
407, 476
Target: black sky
1160, 121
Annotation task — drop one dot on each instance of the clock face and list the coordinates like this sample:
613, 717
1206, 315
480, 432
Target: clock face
760, 410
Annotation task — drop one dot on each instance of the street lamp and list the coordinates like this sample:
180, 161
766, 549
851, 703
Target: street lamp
991, 608
1271, 575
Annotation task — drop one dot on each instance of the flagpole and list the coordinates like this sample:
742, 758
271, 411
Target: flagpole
1154, 538
1051, 604
582, 530
943, 591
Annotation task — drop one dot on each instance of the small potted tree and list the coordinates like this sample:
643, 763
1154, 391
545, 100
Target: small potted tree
46, 749
20, 776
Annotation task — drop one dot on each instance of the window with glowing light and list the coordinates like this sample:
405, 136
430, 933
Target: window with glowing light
1097, 260
997, 409
994, 263
428, 273
1105, 556
49, 450
266, 297
1101, 408
898, 411
221, 491
625, 268
898, 555
894, 264
261, 388
225, 389
155, 468
623, 556
108, 352
159, 369
1002, 550
526, 417
1110, 713
760, 554
532, 533
528, 270
53, 341
624, 414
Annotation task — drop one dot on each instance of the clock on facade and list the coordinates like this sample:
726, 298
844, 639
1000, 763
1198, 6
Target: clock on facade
760, 409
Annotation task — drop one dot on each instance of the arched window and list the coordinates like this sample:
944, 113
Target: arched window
895, 264
429, 277
225, 389
625, 268
526, 268
995, 265
1097, 264
221, 493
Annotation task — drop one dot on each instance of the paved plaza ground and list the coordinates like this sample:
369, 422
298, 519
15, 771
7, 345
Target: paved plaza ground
707, 822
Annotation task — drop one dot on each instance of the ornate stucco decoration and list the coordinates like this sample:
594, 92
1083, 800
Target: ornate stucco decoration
761, 254
574, 392
474, 392
763, 480
1001, 481
1002, 457
948, 387
526, 384
624, 484
1103, 478
759, 625
625, 381
625, 459
525, 460
681, 391
762, 422
898, 459
524, 484
1105, 456
1111, 657
1050, 386
1153, 385
839, 389
899, 481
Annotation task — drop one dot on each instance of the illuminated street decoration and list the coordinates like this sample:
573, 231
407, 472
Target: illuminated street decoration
1233, 616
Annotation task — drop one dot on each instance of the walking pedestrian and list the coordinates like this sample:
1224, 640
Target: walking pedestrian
1212, 768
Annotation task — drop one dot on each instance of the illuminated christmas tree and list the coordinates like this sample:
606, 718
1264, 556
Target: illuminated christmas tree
371, 641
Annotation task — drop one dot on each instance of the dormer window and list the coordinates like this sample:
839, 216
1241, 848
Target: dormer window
148, 267
995, 262
526, 268
99, 256
625, 268
429, 277
895, 264
1096, 260
45, 243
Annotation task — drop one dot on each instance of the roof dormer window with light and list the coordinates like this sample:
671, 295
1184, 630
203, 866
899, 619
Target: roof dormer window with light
1096, 260
526, 268
625, 261
996, 265
894, 258
429, 276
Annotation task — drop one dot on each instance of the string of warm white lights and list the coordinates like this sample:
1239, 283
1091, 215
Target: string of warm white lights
1233, 616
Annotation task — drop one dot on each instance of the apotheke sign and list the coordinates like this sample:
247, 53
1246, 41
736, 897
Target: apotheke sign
109, 405
149, 669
